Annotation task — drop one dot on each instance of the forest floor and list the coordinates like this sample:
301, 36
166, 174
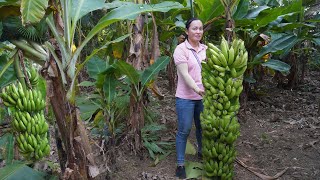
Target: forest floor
279, 134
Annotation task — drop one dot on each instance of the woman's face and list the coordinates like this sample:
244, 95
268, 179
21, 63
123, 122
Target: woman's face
195, 31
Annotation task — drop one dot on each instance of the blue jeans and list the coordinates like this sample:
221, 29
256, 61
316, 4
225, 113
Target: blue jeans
187, 110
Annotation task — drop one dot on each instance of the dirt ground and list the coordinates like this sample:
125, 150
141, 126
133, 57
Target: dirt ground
279, 133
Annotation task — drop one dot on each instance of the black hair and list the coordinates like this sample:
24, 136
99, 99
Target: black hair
190, 21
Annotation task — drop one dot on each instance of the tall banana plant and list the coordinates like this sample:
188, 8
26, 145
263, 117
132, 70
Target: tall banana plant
61, 69
72, 12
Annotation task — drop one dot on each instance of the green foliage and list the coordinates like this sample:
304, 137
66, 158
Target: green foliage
266, 2
149, 73
87, 106
109, 103
209, 9
32, 11
241, 9
140, 80
7, 2
314, 61
281, 43
13, 29
7, 148
19, 170
151, 137
190, 148
9, 75
96, 66
277, 65
193, 169
3, 114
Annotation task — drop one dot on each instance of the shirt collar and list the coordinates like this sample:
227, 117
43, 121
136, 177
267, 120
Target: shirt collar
188, 45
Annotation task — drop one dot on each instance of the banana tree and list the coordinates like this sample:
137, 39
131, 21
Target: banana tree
61, 71
68, 61
287, 29
138, 81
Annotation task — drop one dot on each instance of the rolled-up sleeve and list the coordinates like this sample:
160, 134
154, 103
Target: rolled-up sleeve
179, 56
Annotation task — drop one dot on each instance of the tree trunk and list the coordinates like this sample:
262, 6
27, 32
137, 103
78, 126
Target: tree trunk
137, 59
171, 72
136, 121
136, 56
230, 24
78, 153
293, 76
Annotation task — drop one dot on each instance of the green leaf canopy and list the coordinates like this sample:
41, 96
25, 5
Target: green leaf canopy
9, 75
20, 171
7, 2
277, 65
209, 9
149, 73
96, 66
80, 8
121, 13
280, 44
33, 10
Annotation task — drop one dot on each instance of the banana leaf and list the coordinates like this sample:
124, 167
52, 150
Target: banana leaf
121, 13
7, 143
128, 70
253, 13
277, 65
9, 75
20, 171
109, 87
271, 14
242, 9
316, 41
149, 73
280, 43
7, 2
96, 66
209, 9
86, 106
32, 11
194, 170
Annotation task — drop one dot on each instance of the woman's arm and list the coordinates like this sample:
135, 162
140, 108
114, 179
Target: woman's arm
183, 71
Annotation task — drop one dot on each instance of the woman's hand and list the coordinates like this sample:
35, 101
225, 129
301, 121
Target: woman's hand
199, 91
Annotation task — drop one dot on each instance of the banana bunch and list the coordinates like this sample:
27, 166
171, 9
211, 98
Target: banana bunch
24, 100
222, 77
31, 134
227, 59
33, 146
24, 122
33, 76
28, 120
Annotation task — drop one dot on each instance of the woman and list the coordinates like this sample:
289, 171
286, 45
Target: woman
187, 57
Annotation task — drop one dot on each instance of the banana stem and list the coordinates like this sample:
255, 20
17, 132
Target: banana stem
25, 47
191, 7
18, 71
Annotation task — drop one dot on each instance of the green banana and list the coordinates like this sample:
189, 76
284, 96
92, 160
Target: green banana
231, 56
224, 47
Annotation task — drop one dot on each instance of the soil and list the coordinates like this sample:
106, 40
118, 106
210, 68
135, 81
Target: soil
279, 132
